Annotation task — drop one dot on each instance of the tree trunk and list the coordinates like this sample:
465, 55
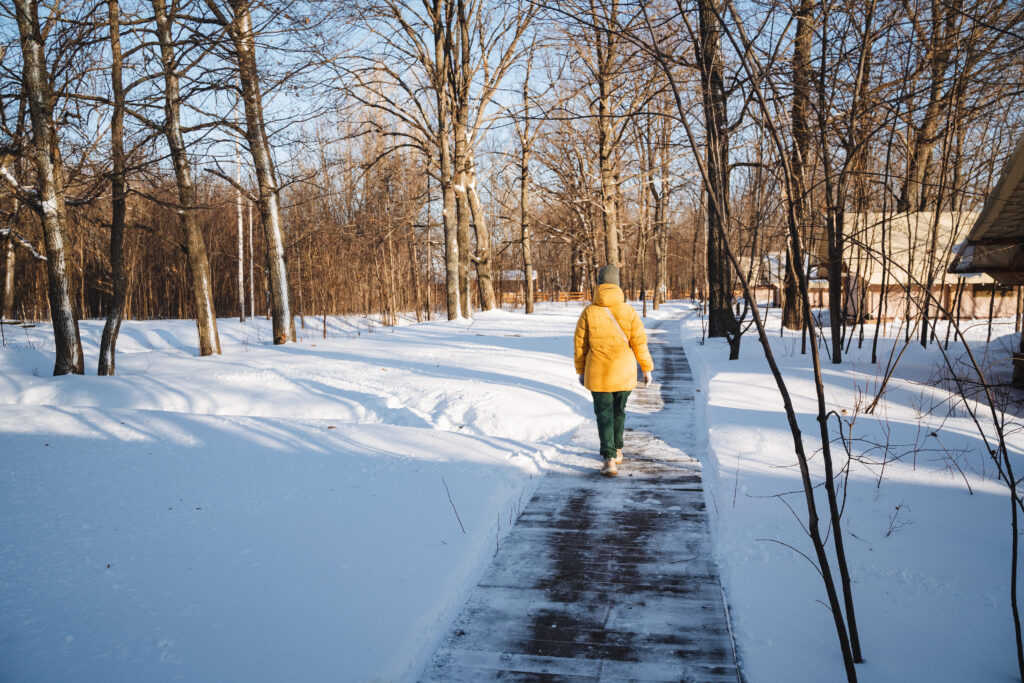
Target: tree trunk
459, 84
10, 261
643, 272
645, 216
8, 309
660, 262
524, 223
240, 30
440, 12
834, 229
414, 277
913, 196
1020, 308
429, 304
252, 272
241, 237
463, 211
661, 221
449, 219
199, 266
721, 321
526, 149
609, 187
50, 185
463, 215
484, 277
469, 207
792, 306
118, 188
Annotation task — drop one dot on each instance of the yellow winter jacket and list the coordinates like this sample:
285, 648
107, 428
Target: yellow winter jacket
602, 354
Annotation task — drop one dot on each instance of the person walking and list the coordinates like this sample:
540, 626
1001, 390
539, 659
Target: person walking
609, 341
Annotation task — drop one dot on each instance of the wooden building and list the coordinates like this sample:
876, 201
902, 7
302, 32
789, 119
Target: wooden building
995, 243
889, 260
764, 276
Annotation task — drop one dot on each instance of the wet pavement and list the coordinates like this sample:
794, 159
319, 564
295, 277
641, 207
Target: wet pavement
607, 579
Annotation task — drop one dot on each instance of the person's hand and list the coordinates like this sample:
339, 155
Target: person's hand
648, 378
580, 377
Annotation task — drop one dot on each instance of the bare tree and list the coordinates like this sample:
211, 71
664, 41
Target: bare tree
939, 36
49, 195
479, 39
198, 262
7, 312
412, 85
604, 64
440, 14
721, 321
792, 307
236, 18
241, 235
605, 57
526, 130
118, 197
661, 190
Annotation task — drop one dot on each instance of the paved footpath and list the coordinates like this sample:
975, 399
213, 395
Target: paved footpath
606, 579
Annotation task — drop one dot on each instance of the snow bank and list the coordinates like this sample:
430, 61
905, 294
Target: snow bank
279, 513
288, 513
927, 535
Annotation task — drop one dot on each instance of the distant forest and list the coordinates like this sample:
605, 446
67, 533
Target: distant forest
212, 158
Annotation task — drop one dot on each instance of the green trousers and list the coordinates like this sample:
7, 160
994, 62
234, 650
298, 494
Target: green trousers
610, 408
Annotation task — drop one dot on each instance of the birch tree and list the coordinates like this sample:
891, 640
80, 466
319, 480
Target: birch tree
406, 74
49, 190
526, 131
235, 17
7, 312
595, 33
661, 190
188, 203
486, 45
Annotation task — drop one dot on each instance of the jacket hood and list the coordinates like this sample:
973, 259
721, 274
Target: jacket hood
608, 295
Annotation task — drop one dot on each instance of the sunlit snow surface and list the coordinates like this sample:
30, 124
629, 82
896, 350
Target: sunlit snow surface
271, 514
279, 514
930, 562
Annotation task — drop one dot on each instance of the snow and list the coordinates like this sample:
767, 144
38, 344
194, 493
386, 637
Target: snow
281, 513
274, 513
929, 559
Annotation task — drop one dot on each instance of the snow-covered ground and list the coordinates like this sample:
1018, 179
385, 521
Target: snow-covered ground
297, 512
272, 513
927, 535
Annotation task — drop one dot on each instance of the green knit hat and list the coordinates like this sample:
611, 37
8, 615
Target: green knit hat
609, 275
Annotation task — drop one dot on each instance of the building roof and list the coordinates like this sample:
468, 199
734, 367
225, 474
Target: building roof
515, 275
766, 270
995, 244
908, 241
770, 269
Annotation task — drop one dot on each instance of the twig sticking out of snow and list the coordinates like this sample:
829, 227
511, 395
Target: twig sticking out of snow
895, 523
452, 504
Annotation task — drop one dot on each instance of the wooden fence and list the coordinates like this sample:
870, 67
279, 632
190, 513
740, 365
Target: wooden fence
519, 298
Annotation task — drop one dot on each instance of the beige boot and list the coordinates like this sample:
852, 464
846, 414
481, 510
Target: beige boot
609, 469
618, 456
